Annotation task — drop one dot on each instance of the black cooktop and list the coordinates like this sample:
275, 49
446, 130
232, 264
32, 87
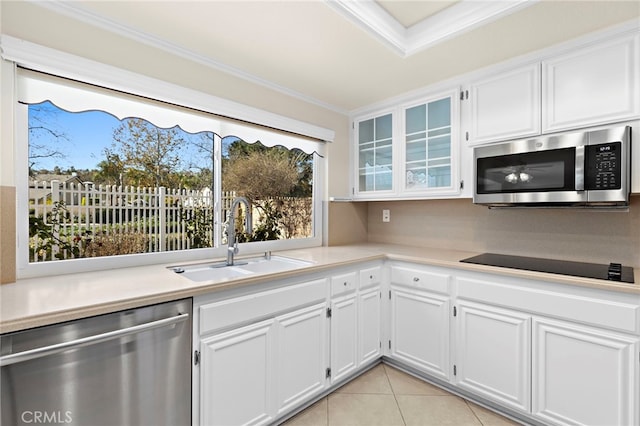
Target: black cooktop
612, 272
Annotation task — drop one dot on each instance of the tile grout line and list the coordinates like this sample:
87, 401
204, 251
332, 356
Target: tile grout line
327, 400
395, 398
472, 411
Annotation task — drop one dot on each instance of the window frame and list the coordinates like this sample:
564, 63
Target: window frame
156, 90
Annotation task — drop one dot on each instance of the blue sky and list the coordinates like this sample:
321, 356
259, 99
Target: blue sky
87, 134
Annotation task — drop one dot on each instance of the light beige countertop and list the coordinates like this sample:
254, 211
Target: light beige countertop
36, 302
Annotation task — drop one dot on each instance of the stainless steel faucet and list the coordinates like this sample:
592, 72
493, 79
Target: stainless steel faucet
231, 228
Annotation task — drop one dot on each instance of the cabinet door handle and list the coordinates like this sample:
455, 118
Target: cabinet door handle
416, 279
345, 283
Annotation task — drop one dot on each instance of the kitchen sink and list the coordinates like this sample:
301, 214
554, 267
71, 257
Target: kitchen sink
241, 268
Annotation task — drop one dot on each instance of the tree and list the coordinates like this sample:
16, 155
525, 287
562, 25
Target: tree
252, 168
150, 155
110, 170
268, 178
45, 135
260, 175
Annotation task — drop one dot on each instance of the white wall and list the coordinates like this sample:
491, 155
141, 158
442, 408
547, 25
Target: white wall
26, 21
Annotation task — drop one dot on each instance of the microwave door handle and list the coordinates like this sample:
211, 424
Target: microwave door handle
580, 168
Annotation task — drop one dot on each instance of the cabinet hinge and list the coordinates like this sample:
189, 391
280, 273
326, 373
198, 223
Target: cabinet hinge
464, 94
466, 135
462, 184
455, 370
389, 344
389, 294
328, 312
455, 311
328, 372
196, 357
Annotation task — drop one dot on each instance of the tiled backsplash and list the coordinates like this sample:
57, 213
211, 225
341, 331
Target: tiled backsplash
347, 223
570, 234
7, 234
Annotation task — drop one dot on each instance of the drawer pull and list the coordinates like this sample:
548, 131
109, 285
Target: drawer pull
370, 277
416, 279
345, 283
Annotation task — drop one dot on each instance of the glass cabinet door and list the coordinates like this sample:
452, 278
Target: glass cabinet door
375, 154
428, 145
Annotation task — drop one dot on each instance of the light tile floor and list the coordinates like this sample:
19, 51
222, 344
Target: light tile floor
386, 396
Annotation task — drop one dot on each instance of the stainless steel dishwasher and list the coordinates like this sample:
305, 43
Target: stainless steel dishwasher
126, 368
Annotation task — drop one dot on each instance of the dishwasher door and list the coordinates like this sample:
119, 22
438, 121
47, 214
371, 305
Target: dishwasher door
126, 368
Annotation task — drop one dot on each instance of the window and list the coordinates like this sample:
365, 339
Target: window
114, 175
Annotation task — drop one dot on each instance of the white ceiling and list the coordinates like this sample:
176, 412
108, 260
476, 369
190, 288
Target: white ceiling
408, 13
342, 54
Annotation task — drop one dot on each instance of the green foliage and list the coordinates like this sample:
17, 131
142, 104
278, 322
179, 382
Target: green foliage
52, 239
199, 226
151, 154
269, 226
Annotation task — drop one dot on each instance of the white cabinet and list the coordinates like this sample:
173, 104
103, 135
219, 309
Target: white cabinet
420, 330
505, 105
374, 155
262, 354
252, 374
369, 346
549, 353
410, 150
430, 160
584, 346
588, 86
302, 356
584, 375
493, 348
355, 321
420, 316
369, 315
594, 85
344, 336
237, 367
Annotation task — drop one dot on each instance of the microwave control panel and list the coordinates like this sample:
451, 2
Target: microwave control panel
603, 168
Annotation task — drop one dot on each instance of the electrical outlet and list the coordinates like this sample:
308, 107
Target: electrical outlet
386, 215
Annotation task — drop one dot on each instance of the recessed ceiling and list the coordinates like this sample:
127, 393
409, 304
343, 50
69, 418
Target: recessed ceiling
432, 25
311, 51
408, 13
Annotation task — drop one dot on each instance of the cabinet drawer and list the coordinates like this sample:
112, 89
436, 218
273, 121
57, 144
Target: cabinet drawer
599, 311
420, 278
254, 307
345, 283
370, 277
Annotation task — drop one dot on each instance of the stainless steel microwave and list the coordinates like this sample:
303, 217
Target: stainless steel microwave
591, 168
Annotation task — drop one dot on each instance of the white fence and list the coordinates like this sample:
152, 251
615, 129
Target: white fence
86, 220
72, 219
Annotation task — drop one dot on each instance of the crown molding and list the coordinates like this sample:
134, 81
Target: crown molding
76, 11
62, 64
452, 21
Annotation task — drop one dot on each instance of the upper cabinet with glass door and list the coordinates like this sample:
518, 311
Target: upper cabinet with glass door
410, 151
430, 146
375, 158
